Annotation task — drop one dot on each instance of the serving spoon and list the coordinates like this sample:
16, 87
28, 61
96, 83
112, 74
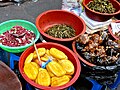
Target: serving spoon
42, 64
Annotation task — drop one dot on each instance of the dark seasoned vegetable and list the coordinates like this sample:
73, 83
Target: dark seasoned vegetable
98, 49
102, 6
61, 31
117, 34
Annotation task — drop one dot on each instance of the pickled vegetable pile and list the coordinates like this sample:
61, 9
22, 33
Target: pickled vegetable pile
99, 48
57, 72
102, 6
17, 36
117, 34
61, 31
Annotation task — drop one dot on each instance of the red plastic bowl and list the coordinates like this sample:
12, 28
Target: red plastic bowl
97, 16
110, 30
48, 45
83, 60
53, 17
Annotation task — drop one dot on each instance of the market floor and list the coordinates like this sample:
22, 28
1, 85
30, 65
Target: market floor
29, 10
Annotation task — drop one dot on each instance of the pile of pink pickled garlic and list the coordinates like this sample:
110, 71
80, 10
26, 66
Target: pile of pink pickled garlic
17, 36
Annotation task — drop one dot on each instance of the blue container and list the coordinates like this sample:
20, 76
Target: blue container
4, 56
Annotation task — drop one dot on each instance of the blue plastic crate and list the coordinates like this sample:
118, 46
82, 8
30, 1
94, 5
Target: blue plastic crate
4, 56
116, 83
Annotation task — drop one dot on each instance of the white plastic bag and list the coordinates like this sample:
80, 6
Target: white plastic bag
73, 6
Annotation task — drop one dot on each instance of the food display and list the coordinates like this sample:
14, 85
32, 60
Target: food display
102, 6
17, 36
114, 29
57, 72
98, 48
117, 34
61, 31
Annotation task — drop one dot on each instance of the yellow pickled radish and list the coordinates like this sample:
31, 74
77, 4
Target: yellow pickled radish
41, 52
51, 74
36, 61
45, 57
58, 81
36, 81
68, 66
48, 52
43, 77
57, 53
35, 64
69, 76
31, 71
29, 58
55, 68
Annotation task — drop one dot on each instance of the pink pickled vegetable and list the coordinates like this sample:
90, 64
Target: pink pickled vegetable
17, 36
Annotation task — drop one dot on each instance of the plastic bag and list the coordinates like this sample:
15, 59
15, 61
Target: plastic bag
74, 6
104, 75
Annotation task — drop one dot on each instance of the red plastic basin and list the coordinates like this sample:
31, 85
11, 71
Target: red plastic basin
48, 45
80, 57
97, 16
53, 17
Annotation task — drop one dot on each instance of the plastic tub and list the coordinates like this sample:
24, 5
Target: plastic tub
48, 45
53, 17
7, 25
97, 16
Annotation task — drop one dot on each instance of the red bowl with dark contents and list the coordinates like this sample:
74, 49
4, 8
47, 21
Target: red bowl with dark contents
98, 49
54, 17
97, 16
82, 59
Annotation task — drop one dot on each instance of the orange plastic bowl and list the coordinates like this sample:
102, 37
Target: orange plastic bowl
53, 17
111, 32
97, 16
48, 45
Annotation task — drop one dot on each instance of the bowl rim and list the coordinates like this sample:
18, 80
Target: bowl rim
20, 47
83, 60
110, 29
58, 39
102, 13
76, 75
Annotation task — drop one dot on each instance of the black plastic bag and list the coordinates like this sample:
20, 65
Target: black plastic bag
102, 74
